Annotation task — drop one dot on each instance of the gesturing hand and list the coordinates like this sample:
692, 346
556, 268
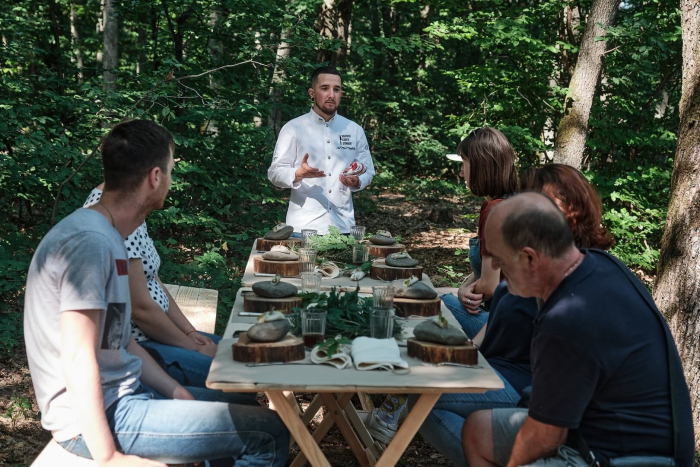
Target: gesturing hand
351, 181
306, 171
469, 299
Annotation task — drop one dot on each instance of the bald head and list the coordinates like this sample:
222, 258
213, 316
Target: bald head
531, 220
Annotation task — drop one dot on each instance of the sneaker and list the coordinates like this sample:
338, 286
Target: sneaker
379, 429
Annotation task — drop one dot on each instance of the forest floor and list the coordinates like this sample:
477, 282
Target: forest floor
413, 218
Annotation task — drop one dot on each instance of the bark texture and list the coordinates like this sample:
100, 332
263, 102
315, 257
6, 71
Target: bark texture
77, 42
571, 135
274, 120
110, 45
335, 22
677, 288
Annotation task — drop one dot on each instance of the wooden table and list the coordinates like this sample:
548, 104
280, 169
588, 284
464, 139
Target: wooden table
342, 283
336, 388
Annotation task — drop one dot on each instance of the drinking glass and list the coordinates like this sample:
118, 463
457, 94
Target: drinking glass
307, 260
360, 253
305, 234
381, 323
310, 282
358, 232
313, 326
383, 296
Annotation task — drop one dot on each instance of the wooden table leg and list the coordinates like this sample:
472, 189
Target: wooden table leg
308, 415
365, 401
345, 429
408, 429
362, 431
322, 429
298, 430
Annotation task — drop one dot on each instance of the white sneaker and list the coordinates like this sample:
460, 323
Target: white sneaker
379, 429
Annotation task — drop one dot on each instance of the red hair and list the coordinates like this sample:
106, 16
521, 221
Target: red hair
576, 198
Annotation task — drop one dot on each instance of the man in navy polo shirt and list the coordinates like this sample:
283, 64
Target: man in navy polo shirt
600, 365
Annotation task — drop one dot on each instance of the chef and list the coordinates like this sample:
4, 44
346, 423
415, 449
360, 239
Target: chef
323, 157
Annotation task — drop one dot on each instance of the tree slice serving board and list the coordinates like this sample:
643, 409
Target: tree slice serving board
288, 349
381, 271
382, 251
283, 268
437, 353
257, 304
413, 307
262, 244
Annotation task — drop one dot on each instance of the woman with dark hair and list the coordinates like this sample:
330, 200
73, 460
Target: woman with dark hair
505, 339
489, 171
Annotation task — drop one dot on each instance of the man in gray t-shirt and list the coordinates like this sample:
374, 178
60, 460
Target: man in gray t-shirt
101, 394
79, 265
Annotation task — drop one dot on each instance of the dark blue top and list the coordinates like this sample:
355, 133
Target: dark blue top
599, 363
506, 345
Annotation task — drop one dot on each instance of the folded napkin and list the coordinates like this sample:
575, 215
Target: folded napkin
369, 353
341, 359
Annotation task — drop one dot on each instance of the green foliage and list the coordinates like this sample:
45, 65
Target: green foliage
417, 79
348, 314
334, 246
20, 407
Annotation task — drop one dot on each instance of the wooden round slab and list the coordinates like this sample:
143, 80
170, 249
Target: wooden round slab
262, 244
256, 304
287, 350
412, 307
283, 268
382, 251
438, 353
381, 271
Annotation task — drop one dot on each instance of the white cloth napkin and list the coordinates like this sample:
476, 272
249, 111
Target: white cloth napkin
369, 353
341, 359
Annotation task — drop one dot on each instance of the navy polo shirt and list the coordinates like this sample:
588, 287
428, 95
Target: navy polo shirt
599, 364
506, 344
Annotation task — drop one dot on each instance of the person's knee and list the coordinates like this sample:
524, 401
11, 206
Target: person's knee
476, 433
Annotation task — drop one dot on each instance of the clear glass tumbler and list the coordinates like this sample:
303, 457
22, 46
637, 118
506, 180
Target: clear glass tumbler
358, 232
310, 282
305, 234
313, 326
307, 260
381, 323
383, 296
360, 253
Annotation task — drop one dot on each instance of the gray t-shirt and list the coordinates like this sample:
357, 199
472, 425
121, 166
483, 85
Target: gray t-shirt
81, 264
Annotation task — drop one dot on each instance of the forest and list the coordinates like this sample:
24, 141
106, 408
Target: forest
608, 87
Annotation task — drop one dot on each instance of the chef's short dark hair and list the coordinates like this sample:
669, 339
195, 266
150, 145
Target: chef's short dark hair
323, 70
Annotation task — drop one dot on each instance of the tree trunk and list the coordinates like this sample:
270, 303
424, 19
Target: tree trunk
326, 28
571, 135
677, 287
110, 50
55, 31
77, 42
141, 35
343, 31
274, 121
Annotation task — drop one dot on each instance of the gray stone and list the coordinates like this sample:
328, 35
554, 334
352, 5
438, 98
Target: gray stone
280, 256
281, 234
269, 290
431, 332
270, 331
419, 290
400, 262
382, 240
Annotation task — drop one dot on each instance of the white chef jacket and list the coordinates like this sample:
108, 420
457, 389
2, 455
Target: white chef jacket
317, 203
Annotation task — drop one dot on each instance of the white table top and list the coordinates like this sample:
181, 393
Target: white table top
229, 375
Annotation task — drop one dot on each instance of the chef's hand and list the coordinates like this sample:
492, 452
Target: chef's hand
306, 171
351, 181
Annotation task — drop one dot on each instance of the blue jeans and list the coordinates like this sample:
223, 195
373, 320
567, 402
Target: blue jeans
177, 431
471, 324
475, 256
187, 367
443, 427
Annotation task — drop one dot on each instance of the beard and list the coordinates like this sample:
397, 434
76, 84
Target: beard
328, 108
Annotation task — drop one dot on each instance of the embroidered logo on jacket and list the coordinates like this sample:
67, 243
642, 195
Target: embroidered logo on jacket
346, 142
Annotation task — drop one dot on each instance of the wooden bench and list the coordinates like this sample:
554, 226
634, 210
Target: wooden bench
199, 306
